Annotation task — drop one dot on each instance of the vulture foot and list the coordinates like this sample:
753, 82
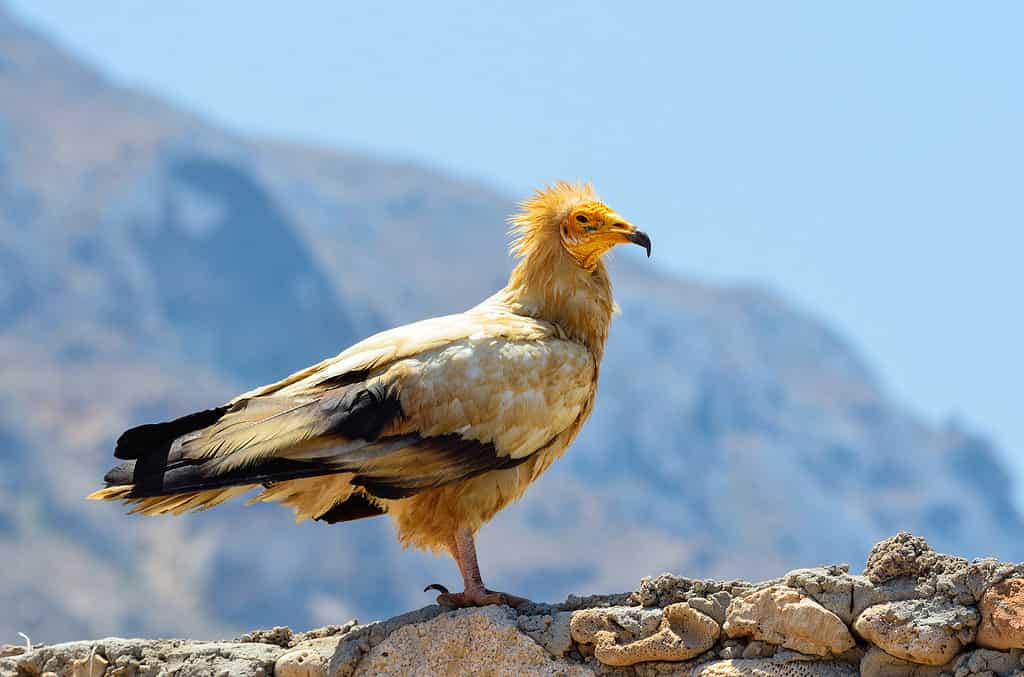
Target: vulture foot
474, 597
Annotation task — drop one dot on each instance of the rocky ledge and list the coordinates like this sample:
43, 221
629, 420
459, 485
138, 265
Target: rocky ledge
912, 612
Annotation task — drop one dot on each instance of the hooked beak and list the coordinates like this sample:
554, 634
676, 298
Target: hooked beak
641, 238
624, 231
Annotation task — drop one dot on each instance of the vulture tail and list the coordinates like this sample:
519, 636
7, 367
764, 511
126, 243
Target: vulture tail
184, 487
157, 478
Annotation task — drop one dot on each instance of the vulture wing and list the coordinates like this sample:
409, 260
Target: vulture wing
407, 410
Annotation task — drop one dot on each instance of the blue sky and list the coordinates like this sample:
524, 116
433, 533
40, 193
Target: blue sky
864, 159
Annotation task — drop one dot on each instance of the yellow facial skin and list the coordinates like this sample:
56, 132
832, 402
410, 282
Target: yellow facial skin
591, 229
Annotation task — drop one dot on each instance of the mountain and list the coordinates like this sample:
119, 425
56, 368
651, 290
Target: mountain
152, 264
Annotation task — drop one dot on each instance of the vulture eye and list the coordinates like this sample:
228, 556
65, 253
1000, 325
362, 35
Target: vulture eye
581, 218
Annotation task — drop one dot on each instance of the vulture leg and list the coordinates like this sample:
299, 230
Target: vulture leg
463, 549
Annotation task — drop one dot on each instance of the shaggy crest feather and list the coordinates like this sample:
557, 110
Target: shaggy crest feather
539, 215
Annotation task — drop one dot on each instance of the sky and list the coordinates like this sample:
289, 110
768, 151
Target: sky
865, 160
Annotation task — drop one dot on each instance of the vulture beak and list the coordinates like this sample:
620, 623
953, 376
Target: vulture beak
641, 238
624, 231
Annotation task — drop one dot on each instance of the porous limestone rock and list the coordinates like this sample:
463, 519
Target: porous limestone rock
218, 658
91, 666
987, 662
660, 591
551, 631
122, 657
759, 649
908, 556
903, 555
715, 605
877, 663
278, 636
300, 663
629, 622
625, 636
914, 608
788, 664
866, 594
781, 615
357, 640
831, 587
1002, 615
310, 658
483, 642
930, 632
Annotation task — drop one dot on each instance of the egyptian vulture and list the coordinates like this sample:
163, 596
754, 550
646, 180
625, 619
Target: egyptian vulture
437, 424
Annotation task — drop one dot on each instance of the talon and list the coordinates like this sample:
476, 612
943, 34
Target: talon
450, 601
436, 586
513, 601
481, 597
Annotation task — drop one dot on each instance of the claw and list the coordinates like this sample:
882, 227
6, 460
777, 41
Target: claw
450, 601
483, 597
436, 586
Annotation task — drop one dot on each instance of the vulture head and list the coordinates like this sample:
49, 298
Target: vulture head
572, 215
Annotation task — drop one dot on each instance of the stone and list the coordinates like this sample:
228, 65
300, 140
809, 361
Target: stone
630, 622
1002, 615
92, 666
227, 658
356, 640
759, 649
551, 631
908, 556
731, 648
903, 555
484, 642
660, 591
624, 636
930, 632
921, 609
308, 659
279, 635
779, 666
986, 661
877, 663
831, 587
120, 657
781, 615
867, 594
347, 656
715, 605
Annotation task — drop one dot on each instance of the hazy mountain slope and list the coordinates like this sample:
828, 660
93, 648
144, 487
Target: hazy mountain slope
151, 265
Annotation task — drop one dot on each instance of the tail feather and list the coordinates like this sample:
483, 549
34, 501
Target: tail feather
176, 503
304, 449
115, 493
199, 476
145, 440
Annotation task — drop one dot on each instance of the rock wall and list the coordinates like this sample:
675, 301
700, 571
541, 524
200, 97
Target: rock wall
913, 612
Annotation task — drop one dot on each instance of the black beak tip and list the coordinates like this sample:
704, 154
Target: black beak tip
641, 238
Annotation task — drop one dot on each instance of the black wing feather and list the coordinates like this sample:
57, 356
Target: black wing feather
364, 409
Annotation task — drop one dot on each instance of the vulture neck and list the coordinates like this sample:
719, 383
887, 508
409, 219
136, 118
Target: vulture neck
549, 285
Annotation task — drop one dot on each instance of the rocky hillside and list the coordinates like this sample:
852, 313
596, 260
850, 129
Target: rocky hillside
152, 264
913, 612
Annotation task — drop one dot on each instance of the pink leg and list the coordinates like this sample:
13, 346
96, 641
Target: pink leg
463, 550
